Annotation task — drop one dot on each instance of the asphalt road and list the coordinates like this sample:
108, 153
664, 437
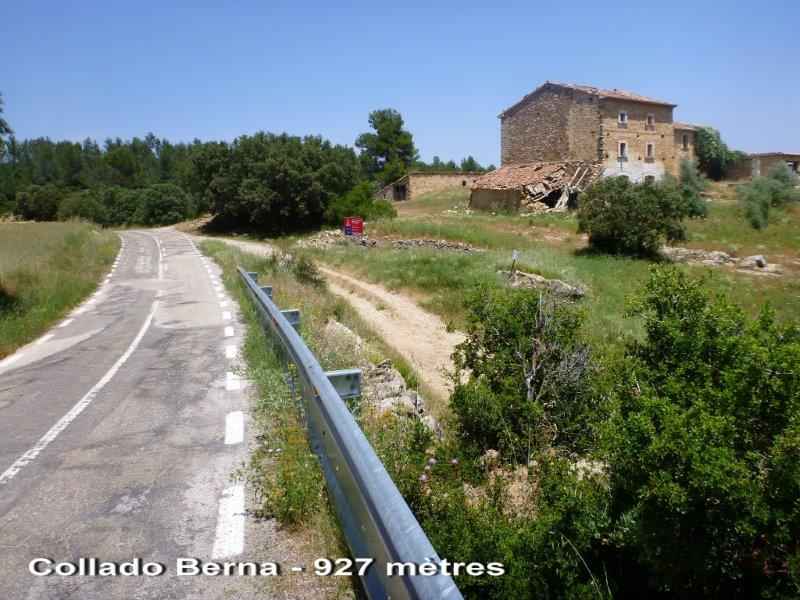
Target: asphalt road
120, 429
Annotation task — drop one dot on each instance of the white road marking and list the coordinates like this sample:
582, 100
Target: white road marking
232, 381
223, 303
230, 351
230, 523
44, 338
226, 315
234, 428
229, 331
67, 322
76, 410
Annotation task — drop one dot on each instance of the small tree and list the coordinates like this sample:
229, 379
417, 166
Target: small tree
627, 218
762, 193
528, 374
84, 205
692, 184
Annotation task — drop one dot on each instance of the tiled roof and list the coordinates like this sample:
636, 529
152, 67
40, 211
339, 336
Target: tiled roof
685, 126
595, 91
789, 154
553, 174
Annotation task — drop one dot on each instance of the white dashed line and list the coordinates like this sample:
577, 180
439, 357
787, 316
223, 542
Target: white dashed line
76, 410
232, 382
230, 352
230, 523
234, 428
223, 303
67, 322
229, 331
226, 315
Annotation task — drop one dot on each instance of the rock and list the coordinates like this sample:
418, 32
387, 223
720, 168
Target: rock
752, 262
520, 279
385, 386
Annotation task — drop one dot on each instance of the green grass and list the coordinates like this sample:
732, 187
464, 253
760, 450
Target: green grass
45, 270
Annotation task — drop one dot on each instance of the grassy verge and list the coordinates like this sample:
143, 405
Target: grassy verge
45, 270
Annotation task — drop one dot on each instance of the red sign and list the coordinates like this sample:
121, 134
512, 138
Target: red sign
357, 223
348, 225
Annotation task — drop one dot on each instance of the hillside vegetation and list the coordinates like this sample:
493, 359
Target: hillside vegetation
45, 270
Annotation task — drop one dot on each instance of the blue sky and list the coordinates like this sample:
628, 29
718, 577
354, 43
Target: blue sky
217, 70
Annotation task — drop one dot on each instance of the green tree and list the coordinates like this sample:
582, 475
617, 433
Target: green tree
622, 217
359, 202
713, 155
390, 145
704, 447
763, 193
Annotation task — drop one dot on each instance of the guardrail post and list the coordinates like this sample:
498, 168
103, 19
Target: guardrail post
293, 316
346, 382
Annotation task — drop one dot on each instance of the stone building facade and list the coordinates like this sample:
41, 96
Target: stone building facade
629, 134
417, 183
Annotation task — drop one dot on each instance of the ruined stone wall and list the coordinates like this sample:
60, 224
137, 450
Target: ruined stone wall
537, 130
495, 200
741, 169
424, 183
637, 134
763, 165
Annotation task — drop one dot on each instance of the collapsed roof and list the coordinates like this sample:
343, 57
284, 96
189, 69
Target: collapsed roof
542, 181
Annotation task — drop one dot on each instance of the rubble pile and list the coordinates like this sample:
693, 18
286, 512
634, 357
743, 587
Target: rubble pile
434, 244
521, 279
716, 258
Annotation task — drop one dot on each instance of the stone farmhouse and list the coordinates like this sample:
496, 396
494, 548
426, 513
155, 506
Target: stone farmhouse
628, 134
416, 183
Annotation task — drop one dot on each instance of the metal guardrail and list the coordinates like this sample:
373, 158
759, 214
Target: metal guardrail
375, 519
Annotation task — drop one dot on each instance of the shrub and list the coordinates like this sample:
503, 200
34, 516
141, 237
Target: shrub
762, 193
692, 184
627, 218
528, 374
705, 447
359, 202
83, 205
38, 203
714, 157
120, 203
162, 204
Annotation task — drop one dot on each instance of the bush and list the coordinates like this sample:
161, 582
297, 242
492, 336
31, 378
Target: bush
627, 218
528, 374
83, 205
120, 203
762, 193
705, 447
714, 157
692, 184
38, 203
162, 204
359, 202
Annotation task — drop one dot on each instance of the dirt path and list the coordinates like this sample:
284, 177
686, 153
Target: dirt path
419, 336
